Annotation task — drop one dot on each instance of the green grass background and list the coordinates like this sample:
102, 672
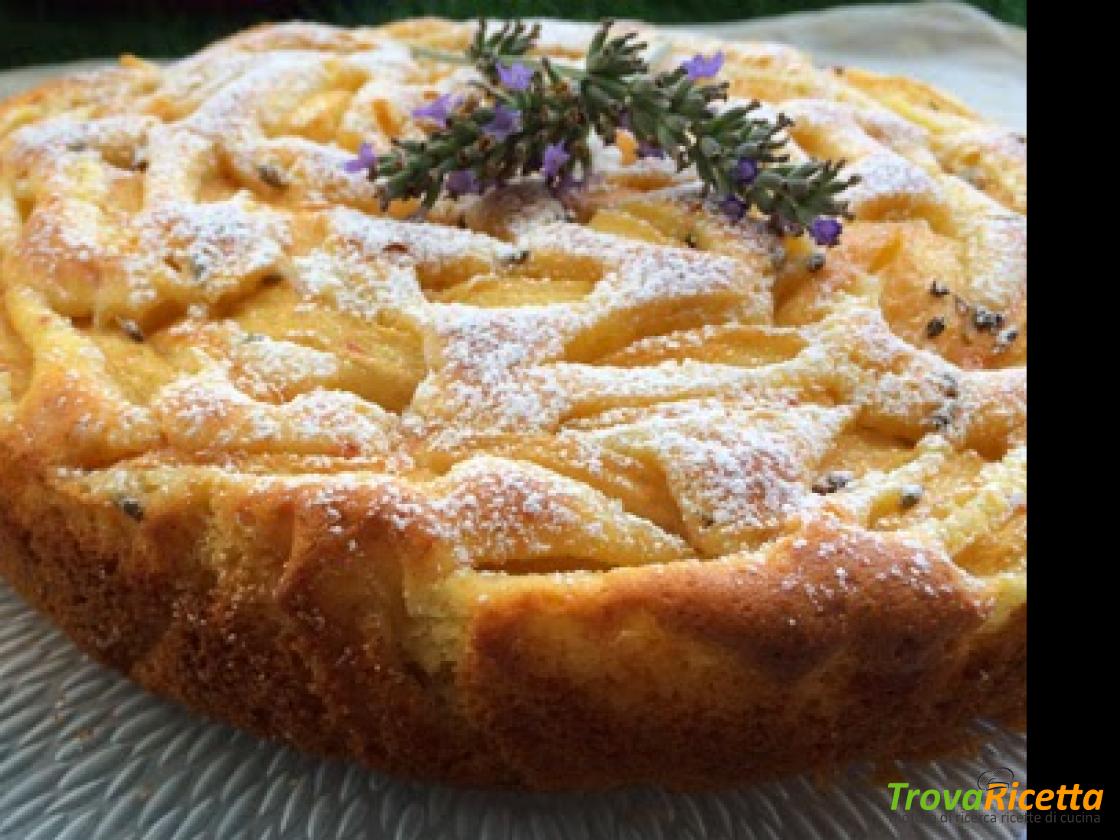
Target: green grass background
40, 31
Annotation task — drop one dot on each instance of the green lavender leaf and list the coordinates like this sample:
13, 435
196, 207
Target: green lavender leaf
738, 155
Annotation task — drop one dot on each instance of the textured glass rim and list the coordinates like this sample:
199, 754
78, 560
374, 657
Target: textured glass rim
85, 754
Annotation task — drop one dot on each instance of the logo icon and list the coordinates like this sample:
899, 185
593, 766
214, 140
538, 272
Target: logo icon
997, 779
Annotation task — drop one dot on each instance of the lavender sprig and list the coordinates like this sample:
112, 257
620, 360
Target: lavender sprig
528, 115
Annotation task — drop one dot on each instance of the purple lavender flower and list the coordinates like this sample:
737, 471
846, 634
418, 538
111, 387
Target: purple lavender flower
515, 77
365, 161
438, 109
699, 67
461, 182
734, 208
746, 170
555, 156
649, 150
825, 232
506, 121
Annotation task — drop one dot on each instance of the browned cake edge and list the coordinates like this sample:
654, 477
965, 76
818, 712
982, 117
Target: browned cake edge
691, 675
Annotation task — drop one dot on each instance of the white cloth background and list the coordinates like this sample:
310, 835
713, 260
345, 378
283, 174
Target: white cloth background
956, 47
964, 51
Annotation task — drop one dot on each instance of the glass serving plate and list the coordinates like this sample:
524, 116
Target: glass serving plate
87, 755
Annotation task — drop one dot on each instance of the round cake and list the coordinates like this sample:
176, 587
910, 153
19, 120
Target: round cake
539, 488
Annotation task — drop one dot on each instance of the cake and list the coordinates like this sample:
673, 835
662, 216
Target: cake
540, 490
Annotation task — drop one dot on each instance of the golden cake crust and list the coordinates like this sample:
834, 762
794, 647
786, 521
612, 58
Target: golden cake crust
532, 494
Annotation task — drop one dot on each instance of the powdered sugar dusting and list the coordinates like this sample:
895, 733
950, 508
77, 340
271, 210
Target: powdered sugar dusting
219, 190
